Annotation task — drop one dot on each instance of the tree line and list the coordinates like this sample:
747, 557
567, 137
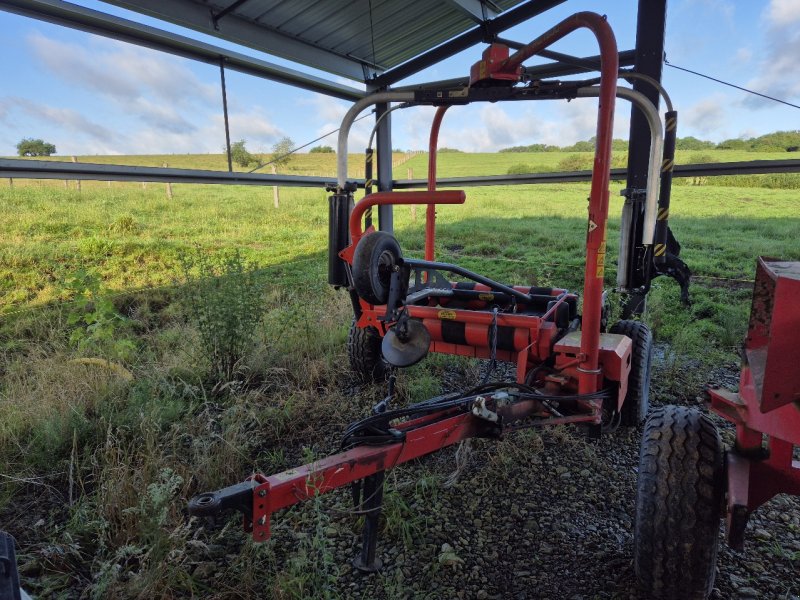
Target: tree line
778, 141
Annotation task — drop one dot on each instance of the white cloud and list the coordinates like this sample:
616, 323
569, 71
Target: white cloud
779, 70
707, 115
328, 113
783, 12
172, 109
60, 117
151, 86
743, 55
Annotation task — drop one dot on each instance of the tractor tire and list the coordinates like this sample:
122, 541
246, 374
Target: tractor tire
637, 399
364, 352
678, 505
374, 259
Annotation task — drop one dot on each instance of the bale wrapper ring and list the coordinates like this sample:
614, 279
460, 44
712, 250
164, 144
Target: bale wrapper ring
569, 369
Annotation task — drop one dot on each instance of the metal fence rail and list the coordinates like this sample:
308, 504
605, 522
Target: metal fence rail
39, 169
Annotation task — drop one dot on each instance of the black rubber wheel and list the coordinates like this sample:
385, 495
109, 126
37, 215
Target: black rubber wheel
637, 399
374, 260
678, 505
364, 352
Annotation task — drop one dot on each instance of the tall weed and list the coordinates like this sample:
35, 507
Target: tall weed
225, 298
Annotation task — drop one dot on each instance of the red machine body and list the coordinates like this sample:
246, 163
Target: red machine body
766, 410
491, 66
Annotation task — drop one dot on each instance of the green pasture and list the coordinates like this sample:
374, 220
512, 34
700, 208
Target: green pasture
122, 273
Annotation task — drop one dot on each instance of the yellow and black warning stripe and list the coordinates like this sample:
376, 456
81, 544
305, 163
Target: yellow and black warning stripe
666, 166
672, 123
660, 249
663, 214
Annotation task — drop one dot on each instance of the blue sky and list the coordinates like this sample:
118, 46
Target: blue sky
91, 95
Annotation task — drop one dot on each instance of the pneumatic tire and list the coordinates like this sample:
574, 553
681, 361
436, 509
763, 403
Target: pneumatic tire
364, 352
637, 399
375, 258
678, 505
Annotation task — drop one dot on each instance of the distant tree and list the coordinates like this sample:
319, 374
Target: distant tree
618, 145
282, 152
587, 146
692, 143
241, 155
32, 147
321, 150
734, 144
446, 149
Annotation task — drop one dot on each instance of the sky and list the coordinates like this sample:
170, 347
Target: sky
91, 95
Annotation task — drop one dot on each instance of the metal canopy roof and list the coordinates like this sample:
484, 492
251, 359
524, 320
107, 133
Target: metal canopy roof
358, 39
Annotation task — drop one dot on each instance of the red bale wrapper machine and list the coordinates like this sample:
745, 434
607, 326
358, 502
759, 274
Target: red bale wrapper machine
569, 369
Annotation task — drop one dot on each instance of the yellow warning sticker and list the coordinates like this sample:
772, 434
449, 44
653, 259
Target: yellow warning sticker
448, 315
486, 297
601, 257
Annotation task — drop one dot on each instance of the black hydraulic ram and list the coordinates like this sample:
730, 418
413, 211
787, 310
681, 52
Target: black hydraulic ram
339, 206
369, 155
667, 165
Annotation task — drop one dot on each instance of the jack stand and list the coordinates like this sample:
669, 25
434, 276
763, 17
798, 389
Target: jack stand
381, 406
366, 562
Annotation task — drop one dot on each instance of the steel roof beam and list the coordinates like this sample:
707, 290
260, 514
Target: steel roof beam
554, 69
563, 68
477, 10
92, 21
233, 28
482, 33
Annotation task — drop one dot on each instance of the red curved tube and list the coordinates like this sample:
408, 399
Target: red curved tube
430, 214
383, 198
590, 377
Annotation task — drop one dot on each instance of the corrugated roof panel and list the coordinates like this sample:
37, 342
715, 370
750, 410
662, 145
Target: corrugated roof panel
394, 32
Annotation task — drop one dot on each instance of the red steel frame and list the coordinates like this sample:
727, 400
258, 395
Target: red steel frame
766, 411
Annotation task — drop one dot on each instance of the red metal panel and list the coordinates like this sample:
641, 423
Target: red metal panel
771, 348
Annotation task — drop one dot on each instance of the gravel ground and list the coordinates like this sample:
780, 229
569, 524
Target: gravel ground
543, 514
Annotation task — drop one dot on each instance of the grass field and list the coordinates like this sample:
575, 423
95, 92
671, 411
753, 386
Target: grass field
99, 465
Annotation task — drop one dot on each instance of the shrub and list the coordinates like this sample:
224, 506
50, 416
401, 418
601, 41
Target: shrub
98, 327
698, 157
519, 169
576, 162
321, 150
225, 301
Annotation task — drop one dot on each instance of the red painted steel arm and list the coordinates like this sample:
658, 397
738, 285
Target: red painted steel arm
589, 375
383, 198
430, 214
295, 485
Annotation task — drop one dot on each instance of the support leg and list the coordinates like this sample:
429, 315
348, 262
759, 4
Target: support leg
372, 494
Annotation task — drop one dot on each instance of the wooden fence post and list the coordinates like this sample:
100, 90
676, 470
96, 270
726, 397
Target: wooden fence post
275, 195
77, 181
413, 206
169, 184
